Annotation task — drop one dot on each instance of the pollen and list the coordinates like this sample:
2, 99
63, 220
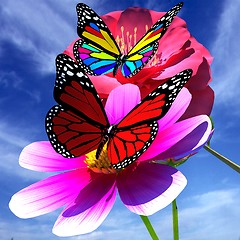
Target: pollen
128, 39
100, 165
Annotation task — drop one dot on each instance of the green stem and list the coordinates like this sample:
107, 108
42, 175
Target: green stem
175, 220
227, 161
149, 227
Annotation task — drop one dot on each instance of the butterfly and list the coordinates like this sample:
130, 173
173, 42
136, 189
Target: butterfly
98, 52
79, 124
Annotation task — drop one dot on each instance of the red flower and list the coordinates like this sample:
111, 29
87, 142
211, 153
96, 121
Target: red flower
177, 51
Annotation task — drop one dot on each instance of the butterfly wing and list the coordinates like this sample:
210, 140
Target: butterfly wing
70, 134
94, 59
138, 129
147, 46
77, 125
97, 51
128, 144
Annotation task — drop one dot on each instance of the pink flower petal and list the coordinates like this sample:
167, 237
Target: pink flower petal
201, 48
172, 41
202, 77
173, 134
150, 187
140, 17
40, 156
104, 84
191, 142
90, 208
177, 109
180, 61
121, 101
49, 194
111, 21
201, 103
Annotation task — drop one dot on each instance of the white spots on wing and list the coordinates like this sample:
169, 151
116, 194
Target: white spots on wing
70, 73
177, 84
171, 87
80, 74
168, 17
85, 14
69, 66
164, 86
95, 18
66, 67
52, 136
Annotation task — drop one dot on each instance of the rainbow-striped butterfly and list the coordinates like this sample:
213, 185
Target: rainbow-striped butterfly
98, 53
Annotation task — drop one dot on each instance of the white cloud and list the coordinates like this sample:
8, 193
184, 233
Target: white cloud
10, 135
23, 230
225, 49
12, 140
9, 79
40, 29
212, 215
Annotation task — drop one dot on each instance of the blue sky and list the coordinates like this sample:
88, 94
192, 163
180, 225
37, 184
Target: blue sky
33, 32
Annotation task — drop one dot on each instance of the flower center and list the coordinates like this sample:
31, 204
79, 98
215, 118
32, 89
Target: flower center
128, 40
102, 164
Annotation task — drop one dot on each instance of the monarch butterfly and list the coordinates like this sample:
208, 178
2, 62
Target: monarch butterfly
98, 52
80, 125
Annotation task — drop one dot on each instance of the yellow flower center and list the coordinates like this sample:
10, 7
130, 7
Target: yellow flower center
102, 164
127, 41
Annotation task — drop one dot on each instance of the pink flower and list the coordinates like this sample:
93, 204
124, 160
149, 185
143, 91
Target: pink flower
87, 190
178, 50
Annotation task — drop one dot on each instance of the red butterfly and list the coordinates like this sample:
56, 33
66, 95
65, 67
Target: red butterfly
80, 125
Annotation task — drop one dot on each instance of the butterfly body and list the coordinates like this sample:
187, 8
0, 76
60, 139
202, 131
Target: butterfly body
98, 53
107, 136
79, 124
119, 61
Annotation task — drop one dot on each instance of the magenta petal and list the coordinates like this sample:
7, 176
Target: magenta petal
192, 142
172, 135
40, 156
150, 187
121, 101
177, 109
90, 208
49, 194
